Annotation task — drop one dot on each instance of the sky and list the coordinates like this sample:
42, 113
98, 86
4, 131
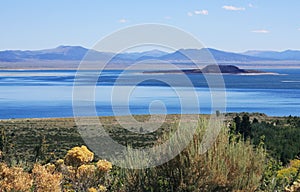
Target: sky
230, 25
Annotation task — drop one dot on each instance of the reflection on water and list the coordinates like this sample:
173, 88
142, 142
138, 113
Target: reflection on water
26, 94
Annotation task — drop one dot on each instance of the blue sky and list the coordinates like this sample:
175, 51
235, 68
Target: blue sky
232, 25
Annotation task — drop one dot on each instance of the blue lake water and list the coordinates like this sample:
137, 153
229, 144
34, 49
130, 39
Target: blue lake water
40, 93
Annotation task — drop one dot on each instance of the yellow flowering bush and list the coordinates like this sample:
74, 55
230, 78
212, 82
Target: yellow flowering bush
76, 172
59, 162
102, 188
86, 172
78, 156
295, 163
294, 188
104, 165
290, 175
46, 179
286, 173
70, 172
92, 189
291, 171
14, 179
88, 176
50, 167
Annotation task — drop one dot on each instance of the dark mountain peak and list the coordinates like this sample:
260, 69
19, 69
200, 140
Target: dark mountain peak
211, 69
208, 55
64, 49
222, 68
70, 47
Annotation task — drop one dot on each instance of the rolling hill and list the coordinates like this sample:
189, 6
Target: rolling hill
70, 57
283, 55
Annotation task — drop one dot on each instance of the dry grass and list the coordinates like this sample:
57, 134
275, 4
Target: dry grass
31, 140
229, 165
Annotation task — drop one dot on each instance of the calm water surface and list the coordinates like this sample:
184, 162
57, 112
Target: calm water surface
33, 94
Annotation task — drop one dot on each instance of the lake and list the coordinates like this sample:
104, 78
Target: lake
48, 93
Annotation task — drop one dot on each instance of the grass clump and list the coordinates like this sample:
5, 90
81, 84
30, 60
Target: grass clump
229, 165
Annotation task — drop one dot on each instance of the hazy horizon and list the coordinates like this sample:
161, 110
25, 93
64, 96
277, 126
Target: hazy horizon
145, 49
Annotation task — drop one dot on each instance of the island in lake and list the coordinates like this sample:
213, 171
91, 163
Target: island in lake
226, 69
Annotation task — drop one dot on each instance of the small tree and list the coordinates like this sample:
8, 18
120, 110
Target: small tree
255, 121
237, 121
40, 150
3, 144
246, 126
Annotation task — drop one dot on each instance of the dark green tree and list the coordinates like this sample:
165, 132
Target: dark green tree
246, 127
255, 121
237, 121
2, 139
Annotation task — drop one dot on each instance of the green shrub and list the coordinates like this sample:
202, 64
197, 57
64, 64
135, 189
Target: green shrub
226, 166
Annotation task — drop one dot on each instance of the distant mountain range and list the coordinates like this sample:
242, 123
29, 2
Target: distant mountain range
284, 55
65, 53
77, 53
203, 55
